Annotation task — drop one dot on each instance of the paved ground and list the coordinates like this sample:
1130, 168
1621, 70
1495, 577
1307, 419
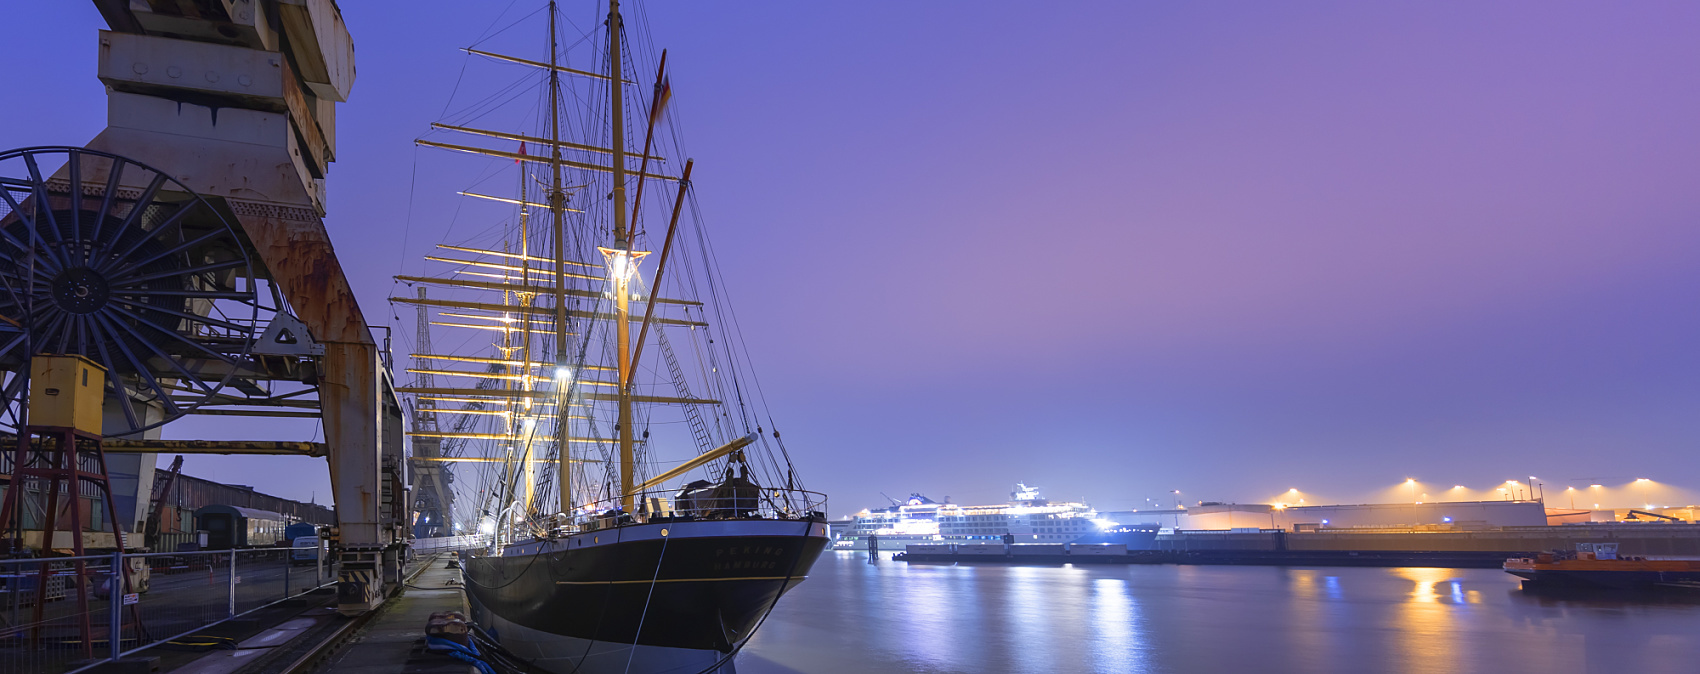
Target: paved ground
175, 601
394, 641
179, 600
255, 646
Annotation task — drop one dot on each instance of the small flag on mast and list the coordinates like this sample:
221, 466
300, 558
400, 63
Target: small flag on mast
521, 152
663, 91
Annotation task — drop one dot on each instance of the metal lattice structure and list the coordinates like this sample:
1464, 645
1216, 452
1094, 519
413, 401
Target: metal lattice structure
433, 503
110, 259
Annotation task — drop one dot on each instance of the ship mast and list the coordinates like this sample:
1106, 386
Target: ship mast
526, 300
557, 207
620, 259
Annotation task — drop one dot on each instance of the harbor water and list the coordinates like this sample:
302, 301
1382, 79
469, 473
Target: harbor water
856, 616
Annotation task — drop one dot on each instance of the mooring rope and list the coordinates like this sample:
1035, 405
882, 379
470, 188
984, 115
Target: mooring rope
646, 599
619, 535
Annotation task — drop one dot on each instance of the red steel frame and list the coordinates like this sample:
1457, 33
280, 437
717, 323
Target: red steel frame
59, 451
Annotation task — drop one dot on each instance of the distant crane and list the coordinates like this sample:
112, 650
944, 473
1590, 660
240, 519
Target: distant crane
1633, 515
156, 510
433, 501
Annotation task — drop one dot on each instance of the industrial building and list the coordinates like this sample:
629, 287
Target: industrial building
1647, 515
1457, 514
189, 493
177, 515
1462, 515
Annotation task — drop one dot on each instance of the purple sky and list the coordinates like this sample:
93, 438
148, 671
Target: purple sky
1114, 249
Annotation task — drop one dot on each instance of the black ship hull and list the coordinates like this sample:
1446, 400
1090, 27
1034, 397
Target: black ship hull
664, 596
1593, 578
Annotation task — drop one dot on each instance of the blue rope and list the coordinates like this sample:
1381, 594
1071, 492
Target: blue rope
468, 654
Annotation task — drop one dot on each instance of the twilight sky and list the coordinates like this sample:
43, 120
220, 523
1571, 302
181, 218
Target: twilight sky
1114, 249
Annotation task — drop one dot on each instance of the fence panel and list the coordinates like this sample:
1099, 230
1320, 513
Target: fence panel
193, 590
45, 634
262, 577
304, 575
174, 593
185, 592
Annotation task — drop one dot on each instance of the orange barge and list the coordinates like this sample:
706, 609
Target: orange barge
1597, 565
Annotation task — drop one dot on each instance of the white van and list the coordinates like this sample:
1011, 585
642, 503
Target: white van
306, 550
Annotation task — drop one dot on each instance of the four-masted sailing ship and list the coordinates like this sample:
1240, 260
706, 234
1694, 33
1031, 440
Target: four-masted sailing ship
589, 319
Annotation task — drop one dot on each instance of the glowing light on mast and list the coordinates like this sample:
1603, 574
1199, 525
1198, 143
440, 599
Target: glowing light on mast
622, 264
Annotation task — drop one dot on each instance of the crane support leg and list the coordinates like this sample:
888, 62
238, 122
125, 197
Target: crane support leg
363, 432
256, 138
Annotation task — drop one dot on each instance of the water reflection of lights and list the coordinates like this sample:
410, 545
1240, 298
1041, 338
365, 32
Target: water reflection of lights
1119, 645
1303, 583
1428, 618
1033, 623
1210, 619
1312, 611
1428, 588
937, 600
1425, 579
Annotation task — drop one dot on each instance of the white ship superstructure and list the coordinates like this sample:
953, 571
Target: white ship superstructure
1026, 518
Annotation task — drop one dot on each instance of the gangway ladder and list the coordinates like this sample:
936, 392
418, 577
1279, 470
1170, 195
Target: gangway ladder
693, 416
55, 460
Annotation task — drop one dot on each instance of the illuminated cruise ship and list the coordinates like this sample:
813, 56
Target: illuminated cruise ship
1027, 518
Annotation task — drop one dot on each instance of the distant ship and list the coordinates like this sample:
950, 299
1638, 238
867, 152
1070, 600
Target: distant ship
1025, 519
1598, 565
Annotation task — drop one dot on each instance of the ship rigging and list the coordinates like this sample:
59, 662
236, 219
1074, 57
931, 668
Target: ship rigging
536, 378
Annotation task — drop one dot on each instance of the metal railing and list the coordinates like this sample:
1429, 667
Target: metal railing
172, 594
422, 546
716, 502
765, 503
46, 606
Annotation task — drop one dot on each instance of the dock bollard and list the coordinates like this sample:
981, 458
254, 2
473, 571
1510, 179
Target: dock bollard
450, 625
